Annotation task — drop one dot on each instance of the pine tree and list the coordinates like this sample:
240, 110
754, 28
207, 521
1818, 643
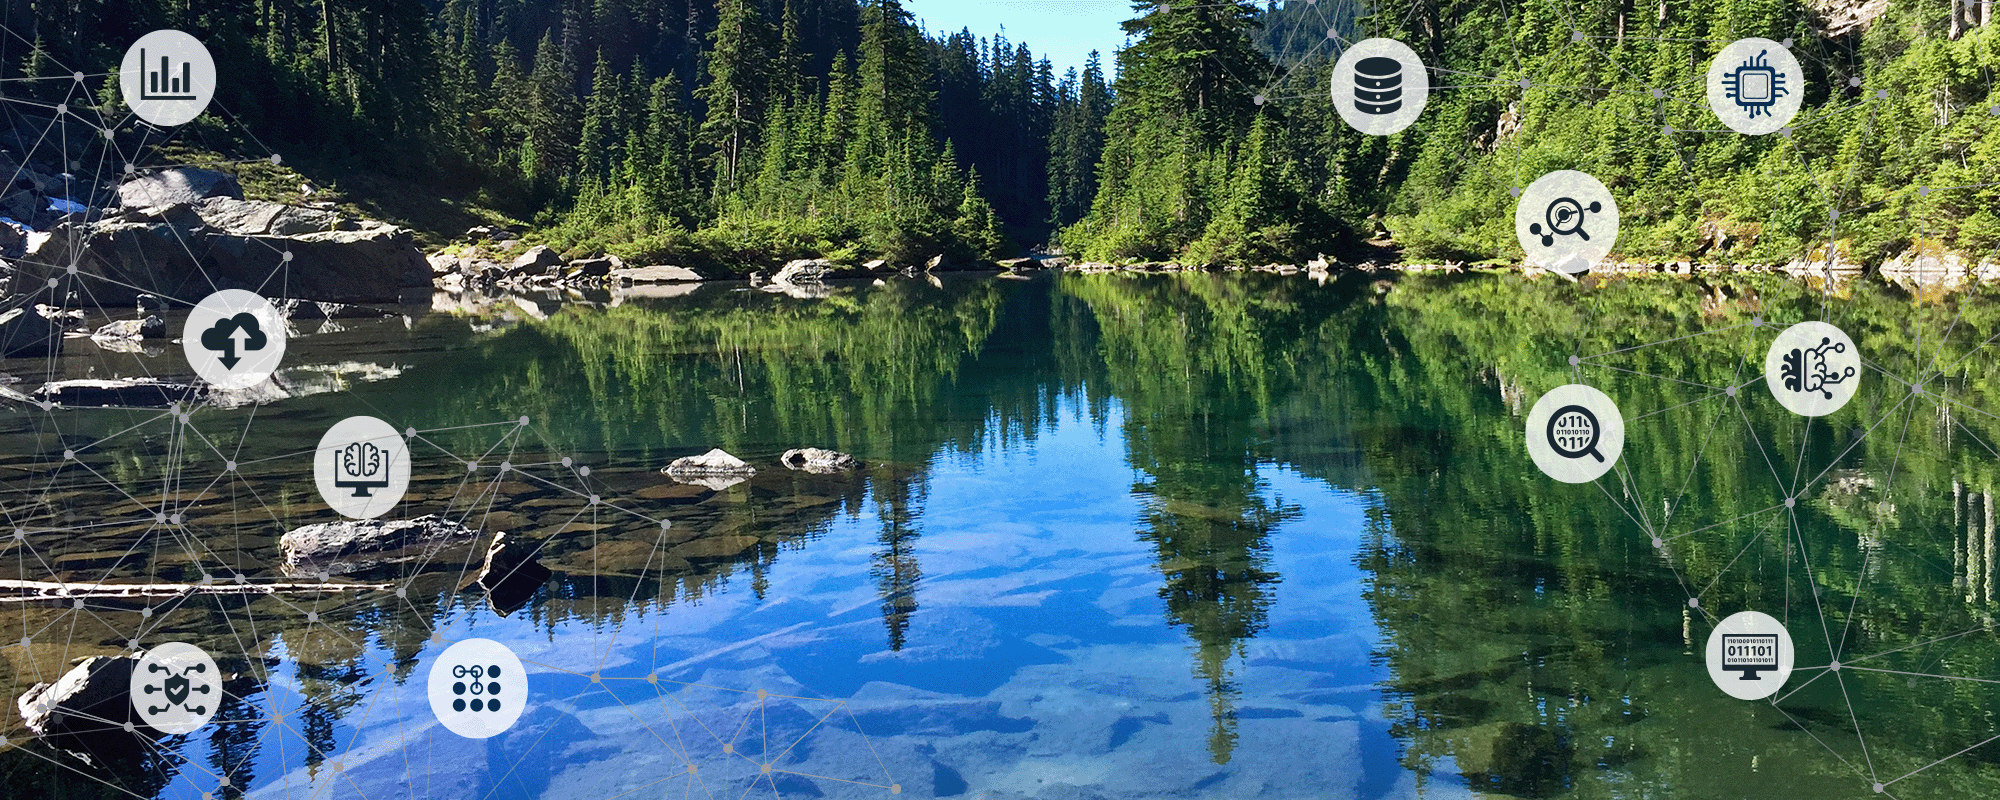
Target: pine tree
736, 90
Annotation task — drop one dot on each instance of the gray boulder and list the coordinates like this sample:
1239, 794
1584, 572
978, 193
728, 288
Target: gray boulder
172, 256
816, 460
149, 327
92, 698
177, 185
538, 260
26, 334
655, 274
714, 462
256, 217
356, 544
804, 270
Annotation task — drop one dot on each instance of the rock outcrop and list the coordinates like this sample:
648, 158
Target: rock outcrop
816, 460
357, 544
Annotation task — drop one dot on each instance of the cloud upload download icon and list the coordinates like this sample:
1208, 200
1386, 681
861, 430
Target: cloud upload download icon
230, 335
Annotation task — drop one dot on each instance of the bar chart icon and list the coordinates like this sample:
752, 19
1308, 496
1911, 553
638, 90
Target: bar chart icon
167, 83
167, 77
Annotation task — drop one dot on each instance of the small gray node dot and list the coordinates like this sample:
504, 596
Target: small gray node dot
1659, 94
228, 466
692, 769
1332, 33
130, 728
766, 769
3, 741
652, 679
72, 269
52, 283
729, 748
146, 613
160, 518
566, 462
1574, 360
178, 519
584, 471
1879, 788
69, 455
471, 466
25, 642
1259, 99
1916, 388
596, 677
402, 592
1667, 129
1576, 36
594, 499
895, 788
129, 169
339, 767
1881, 94
224, 780
107, 133
207, 579
410, 432
523, 420
312, 616
325, 576
1514, 191
1694, 602
61, 109
287, 256
277, 159
75, 166
1787, 43
436, 636
1995, 110
1757, 321
1785, 131
1729, 390
1834, 214
1923, 191
1791, 501
79, 602
761, 694
76, 76
132, 644
1525, 83
506, 466
666, 524
1658, 543
1854, 81
238, 577
1835, 666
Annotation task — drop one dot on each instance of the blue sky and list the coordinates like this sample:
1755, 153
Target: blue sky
1063, 30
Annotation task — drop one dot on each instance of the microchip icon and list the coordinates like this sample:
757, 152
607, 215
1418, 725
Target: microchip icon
1755, 85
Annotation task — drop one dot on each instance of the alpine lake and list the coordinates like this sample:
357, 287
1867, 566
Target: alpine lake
1114, 535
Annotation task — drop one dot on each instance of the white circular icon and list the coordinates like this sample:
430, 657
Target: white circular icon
1749, 655
1813, 369
1575, 433
1380, 86
1567, 221
234, 339
478, 688
1755, 86
176, 688
167, 77
362, 467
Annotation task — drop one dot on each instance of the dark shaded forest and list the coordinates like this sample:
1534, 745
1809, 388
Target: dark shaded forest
751, 131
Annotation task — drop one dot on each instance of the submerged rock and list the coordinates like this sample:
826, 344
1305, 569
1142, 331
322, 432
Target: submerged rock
511, 575
355, 544
816, 460
151, 327
713, 462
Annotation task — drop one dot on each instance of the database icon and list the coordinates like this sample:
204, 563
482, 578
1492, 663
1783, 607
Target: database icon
1380, 86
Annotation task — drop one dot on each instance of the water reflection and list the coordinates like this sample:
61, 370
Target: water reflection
1068, 547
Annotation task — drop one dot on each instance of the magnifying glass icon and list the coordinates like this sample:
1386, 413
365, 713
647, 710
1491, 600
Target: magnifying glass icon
1565, 218
1574, 431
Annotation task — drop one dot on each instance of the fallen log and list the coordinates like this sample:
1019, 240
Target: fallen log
16, 591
